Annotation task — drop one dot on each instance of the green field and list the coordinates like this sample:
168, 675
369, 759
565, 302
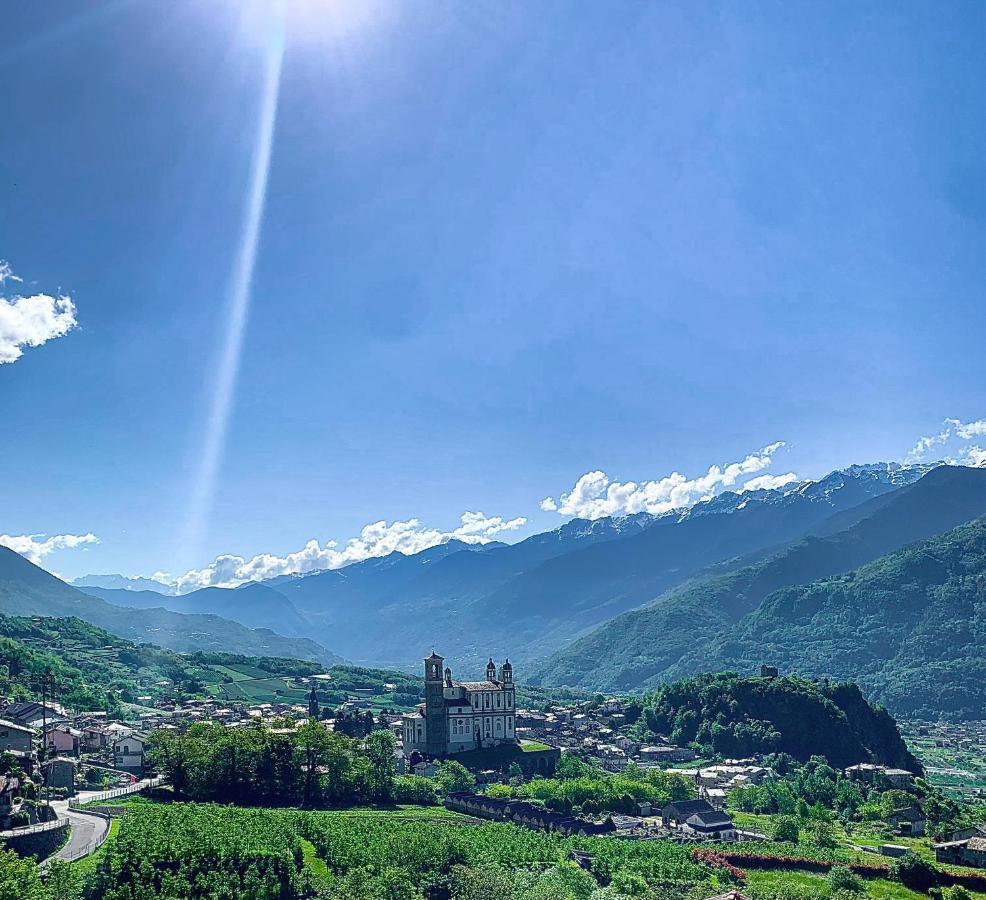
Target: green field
241, 683
958, 771
877, 888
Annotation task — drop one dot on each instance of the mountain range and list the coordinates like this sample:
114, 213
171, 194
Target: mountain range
122, 582
529, 599
27, 590
719, 622
621, 603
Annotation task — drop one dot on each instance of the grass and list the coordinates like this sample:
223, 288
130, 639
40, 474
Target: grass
532, 746
398, 812
313, 862
692, 764
229, 673
879, 888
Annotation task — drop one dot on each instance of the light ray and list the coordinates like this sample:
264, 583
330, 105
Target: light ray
240, 289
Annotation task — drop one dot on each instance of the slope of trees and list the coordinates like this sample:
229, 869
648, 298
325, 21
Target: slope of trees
737, 716
910, 627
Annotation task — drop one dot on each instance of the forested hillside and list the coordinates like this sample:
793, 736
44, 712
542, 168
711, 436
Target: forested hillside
910, 628
92, 668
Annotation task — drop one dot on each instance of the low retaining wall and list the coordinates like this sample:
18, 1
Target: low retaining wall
38, 843
107, 811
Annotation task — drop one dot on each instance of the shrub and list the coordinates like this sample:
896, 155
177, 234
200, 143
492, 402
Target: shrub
914, 872
842, 878
452, 776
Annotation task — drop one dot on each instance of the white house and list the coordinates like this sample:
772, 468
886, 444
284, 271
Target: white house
128, 753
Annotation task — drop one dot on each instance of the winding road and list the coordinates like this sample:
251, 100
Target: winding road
87, 831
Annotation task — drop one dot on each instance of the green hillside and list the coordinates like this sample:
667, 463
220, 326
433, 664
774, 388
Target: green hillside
673, 637
95, 670
736, 716
910, 628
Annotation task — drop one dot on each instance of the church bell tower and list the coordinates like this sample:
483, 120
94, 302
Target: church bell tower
435, 719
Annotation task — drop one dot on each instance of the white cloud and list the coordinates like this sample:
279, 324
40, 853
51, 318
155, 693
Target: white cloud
36, 547
924, 444
595, 495
966, 430
6, 274
954, 429
31, 321
375, 539
769, 482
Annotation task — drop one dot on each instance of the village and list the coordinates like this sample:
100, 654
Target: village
52, 753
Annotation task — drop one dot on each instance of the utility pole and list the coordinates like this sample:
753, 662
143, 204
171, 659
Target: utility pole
47, 688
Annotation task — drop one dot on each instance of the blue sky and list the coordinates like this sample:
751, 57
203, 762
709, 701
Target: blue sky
503, 245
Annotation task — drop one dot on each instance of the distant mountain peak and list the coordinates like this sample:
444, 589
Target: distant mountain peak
125, 583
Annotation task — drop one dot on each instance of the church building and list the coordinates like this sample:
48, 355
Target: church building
462, 715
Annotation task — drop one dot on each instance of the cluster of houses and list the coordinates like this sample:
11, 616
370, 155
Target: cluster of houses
593, 731
868, 773
713, 783
49, 745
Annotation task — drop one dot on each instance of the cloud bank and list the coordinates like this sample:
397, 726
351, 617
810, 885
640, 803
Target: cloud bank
596, 495
31, 321
952, 430
36, 547
375, 539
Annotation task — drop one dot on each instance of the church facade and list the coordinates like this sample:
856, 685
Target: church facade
462, 715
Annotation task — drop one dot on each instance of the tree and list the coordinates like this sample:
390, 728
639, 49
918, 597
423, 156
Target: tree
338, 765
822, 833
452, 776
19, 878
380, 747
570, 766
314, 744
62, 881
892, 800
488, 883
957, 892
786, 829
173, 756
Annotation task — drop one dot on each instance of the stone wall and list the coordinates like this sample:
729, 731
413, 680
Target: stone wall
38, 844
